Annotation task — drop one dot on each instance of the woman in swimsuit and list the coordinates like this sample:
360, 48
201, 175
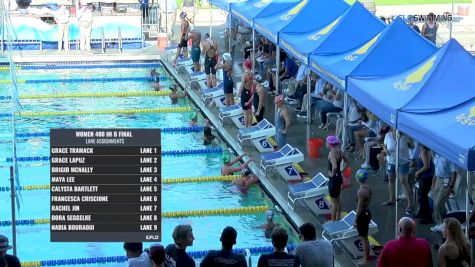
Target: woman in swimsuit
455, 251
210, 50
363, 215
259, 99
183, 45
246, 92
227, 66
335, 157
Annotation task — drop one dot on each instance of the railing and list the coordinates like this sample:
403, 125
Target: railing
103, 41
120, 40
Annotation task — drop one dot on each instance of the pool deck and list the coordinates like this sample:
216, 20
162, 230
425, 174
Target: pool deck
299, 132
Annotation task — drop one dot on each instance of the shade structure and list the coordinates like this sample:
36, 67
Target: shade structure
393, 50
247, 10
276, 16
302, 35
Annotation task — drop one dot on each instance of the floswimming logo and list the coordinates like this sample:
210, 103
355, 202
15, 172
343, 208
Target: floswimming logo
363, 50
294, 11
415, 77
324, 31
262, 3
467, 119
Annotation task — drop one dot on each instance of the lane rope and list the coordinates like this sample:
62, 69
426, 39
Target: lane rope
81, 95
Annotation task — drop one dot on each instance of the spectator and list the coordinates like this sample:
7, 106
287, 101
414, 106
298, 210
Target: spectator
279, 258
381, 132
455, 251
335, 158
183, 237
225, 257
259, 98
354, 126
228, 84
442, 187
282, 121
414, 26
183, 42
407, 250
228, 168
210, 50
297, 86
425, 174
62, 19
188, 6
159, 257
136, 257
84, 17
7, 260
363, 214
333, 103
405, 143
312, 252
167, 15
288, 70
429, 29
144, 7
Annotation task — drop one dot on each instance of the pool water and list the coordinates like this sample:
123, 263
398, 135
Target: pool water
33, 241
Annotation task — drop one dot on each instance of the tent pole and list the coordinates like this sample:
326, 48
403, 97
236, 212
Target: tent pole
309, 98
467, 204
450, 26
277, 69
253, 56
345, 115
12, 191
230, 33
210, 21
396, 230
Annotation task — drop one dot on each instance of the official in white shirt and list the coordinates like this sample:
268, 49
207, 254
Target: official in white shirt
84, 16
62, 19
167, 15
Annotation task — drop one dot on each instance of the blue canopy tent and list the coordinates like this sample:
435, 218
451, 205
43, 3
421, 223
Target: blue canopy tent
391, 51
246, 11
352, 29
224, 4
276, 16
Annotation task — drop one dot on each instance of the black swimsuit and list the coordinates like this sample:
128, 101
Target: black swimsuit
335, 182
210, 62
362, 221
246, 94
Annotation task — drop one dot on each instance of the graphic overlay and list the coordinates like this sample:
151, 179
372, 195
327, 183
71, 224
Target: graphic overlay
105, 185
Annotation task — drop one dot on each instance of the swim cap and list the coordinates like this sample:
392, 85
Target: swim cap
361, 175
247, 64
246, 172
269, 214
333, 140
183, 14
227, 56
206, 35
226, 158
173, 87
194, 116
279, 99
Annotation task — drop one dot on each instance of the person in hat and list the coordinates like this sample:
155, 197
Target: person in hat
211, 52
193, 119
225, 256
363, 215
183, 42
174, 94
282, 121
227, 65
245, 180
228, 168
84, 16
6, 259
335, 157
61, 18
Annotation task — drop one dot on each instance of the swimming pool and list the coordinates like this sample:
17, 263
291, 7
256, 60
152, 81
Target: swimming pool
33, 240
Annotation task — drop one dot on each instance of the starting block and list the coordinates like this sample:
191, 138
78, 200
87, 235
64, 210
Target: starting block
344, 233
313, 192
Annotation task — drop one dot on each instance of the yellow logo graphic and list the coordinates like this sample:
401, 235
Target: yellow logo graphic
324, 31
295, 10
415, 77
363, 50
262, 3
467, 119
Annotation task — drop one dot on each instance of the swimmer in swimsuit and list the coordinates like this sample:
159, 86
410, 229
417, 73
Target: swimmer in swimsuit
246, 91
183, 44
210, 50
174, 95
335, 177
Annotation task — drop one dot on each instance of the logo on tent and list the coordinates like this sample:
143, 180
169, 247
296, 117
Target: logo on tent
363, 50
467, 119
294, 11
324, 31
262, 3
415, 77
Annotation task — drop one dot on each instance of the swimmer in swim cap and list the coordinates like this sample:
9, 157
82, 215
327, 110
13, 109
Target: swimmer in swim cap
229, 169
155, 78
363, 215
174, 94
270, 224
245, 180
193, 119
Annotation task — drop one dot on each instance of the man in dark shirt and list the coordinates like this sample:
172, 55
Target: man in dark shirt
279, 258
5, 259
183, 237
225, 257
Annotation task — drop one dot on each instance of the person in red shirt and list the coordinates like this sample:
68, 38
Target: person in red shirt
407, 250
